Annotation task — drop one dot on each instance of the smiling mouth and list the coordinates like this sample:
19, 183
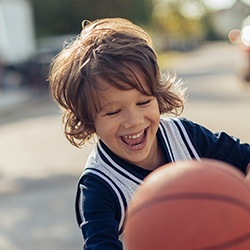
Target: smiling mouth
134, 136
135, 140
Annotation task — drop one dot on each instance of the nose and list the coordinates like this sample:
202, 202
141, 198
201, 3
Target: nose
132, 118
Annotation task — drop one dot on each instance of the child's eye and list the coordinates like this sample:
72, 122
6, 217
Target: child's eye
113, 113
143, 103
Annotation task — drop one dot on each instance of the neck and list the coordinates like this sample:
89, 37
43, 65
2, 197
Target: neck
158, 158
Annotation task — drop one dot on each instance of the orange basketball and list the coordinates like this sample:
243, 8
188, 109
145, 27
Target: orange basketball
190, 205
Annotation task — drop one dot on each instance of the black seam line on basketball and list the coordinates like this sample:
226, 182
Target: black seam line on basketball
230, 243
200, 196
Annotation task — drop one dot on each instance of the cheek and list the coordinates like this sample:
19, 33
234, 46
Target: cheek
104, 127
97, 125
155, 108
161, 106
155, 113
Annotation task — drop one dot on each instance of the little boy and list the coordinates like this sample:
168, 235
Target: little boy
110, 87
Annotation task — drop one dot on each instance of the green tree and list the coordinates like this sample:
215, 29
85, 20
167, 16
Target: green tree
54, 17
180, 19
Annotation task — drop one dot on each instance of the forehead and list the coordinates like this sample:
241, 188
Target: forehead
109, 89
111, 97
129, 77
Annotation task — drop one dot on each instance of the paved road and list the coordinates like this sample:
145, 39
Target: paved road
39, 169
217, 97
38, 175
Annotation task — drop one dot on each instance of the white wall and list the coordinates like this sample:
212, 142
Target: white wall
16, 31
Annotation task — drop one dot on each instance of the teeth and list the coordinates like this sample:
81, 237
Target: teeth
133, 136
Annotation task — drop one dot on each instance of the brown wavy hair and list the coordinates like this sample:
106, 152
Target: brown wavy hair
109, 49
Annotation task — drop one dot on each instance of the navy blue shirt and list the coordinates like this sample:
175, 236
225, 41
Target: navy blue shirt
108, 183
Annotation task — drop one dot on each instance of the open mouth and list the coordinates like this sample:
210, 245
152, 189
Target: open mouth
135, 140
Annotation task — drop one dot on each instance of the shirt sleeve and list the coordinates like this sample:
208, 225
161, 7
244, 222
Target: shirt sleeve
97, 215
219, 146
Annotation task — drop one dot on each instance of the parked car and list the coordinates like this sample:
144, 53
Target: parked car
242, 38
33, 72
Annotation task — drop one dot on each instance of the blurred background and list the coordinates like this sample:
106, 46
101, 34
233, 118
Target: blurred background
205, 42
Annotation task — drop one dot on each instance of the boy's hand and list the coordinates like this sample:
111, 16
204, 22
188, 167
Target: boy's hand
248, 169
248, 174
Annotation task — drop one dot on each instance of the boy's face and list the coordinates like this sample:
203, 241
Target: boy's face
127, 123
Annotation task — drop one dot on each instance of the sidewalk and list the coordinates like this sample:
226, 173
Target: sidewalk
39, 170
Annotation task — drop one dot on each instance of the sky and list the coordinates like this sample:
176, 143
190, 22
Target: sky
221, 4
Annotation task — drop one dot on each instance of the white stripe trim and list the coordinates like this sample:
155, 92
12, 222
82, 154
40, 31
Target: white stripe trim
119, 167
176, 142
115, 190
80, 205
187, 139
166, 141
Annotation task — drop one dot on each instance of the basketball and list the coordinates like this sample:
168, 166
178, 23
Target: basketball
190, 205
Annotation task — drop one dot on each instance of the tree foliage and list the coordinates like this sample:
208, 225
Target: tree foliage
54, 17
174, 19
180, 18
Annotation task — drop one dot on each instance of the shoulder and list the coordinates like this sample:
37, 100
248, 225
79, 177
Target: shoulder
181, 124
175, 120
187, 125
94, 181
194, 135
